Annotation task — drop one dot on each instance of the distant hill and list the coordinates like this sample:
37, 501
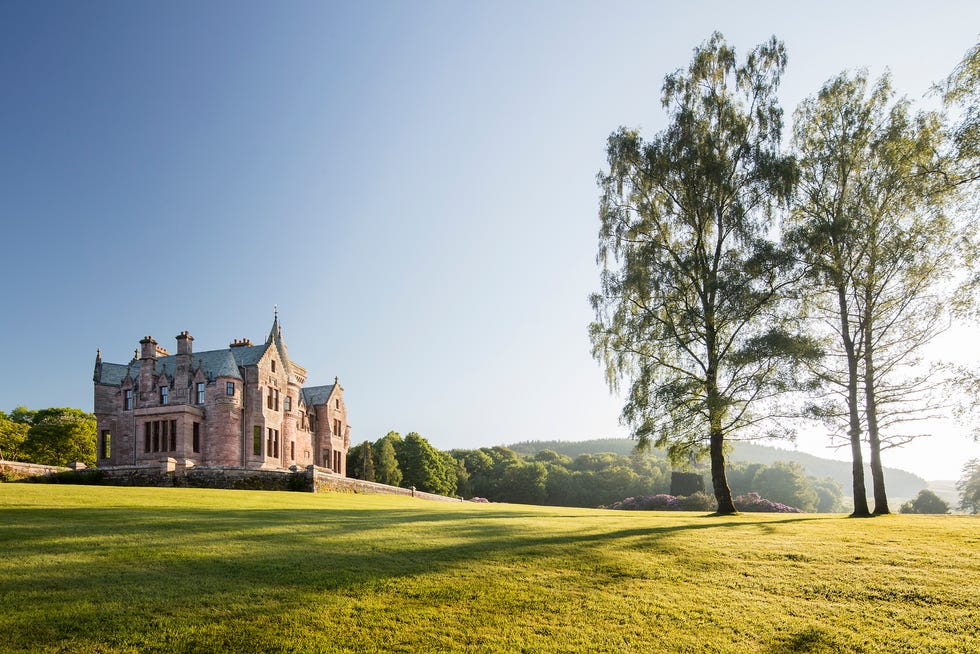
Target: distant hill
899, 483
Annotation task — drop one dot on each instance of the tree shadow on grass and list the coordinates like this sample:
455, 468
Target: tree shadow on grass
123, 571
811, 640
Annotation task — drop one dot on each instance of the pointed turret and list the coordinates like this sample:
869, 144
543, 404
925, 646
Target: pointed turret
97, 375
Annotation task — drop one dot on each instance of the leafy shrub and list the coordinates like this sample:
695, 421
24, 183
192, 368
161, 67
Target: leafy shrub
698, 502
80, 477
664, 502
755, 503
750, 502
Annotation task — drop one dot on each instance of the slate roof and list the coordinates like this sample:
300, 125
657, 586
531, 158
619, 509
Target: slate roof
317, 394
215, 363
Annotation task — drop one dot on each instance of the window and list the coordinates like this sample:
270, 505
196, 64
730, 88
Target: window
268, 400
105, 444
128, 401
273, 365
164, 395
292, 450
200, 393
338, 403
146, 443
257, 440
336, 428
156, 435
230, 389
275, 443
173, 435
277, 400
287, 403
197, 437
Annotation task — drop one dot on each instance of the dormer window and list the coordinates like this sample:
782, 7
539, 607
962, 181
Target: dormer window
200, 392
164, 395
128, 401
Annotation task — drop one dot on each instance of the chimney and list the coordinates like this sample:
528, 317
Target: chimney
184, 340
148, 348
148, 367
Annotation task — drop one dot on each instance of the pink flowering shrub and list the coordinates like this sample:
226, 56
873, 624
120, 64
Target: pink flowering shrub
755, 503
750, 502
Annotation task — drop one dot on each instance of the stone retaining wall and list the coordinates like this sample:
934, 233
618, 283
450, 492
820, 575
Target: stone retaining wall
325, 480
170, 473
20, 470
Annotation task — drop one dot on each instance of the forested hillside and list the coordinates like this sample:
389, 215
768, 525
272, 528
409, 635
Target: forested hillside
900, 483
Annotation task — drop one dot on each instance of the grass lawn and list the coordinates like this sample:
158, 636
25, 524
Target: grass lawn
103, 569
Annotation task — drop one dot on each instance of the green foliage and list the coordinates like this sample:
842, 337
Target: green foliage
830, 495
689, 314
425, 467
12, 436
961, 92
870, 220
207, 568
969, 487
926, 502
386, 470
360, 462
787, 484
58, 437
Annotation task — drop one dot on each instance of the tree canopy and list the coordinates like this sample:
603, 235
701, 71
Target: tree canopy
688, 314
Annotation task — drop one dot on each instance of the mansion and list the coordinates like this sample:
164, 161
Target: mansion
244, 406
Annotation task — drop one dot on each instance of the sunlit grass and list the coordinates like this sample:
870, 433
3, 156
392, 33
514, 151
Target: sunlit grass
101, 569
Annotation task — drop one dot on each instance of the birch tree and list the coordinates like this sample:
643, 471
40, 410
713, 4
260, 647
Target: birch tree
688, 315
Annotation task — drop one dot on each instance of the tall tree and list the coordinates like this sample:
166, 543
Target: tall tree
969, 487
688, 312
869, 221
424, 467
386, 470
12, 436
58, 437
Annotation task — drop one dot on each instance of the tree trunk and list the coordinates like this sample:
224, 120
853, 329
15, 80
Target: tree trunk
871, 413
854, 419
723, 494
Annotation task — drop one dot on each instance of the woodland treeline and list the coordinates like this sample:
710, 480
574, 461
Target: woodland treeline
546, 477
747, 282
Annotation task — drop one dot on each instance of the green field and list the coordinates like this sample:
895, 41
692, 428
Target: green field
102, 569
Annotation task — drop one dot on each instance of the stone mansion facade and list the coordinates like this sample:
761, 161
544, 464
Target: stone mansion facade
245, 406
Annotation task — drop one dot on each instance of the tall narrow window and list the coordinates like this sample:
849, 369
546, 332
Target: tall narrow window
146, 444
200, 393
128, 401
197, 437
230, 389
277, 400
257, 440
275, 443
338, 403
164, 395
105, 444
287, 403
292, 450
156, 435
336, 428
173, 435
273, 365
268, 399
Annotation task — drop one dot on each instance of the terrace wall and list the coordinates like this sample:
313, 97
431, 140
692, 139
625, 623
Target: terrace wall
171, 474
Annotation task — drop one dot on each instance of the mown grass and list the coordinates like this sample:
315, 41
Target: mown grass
102, 569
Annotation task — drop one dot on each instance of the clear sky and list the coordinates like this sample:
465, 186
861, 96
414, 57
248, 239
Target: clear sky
412, 183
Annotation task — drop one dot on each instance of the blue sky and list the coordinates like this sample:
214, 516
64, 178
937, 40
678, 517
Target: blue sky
412, 183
